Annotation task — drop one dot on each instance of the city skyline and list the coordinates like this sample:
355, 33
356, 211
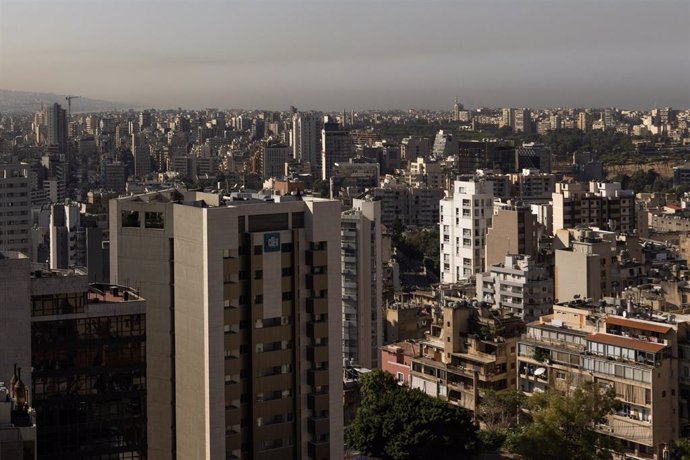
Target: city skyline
382, 55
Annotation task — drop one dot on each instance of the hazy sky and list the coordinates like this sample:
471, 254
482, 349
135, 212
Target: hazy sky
323, 54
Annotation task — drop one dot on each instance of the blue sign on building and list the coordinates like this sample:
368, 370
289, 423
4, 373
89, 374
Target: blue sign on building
271, 242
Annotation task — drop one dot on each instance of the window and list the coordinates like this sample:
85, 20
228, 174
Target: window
130, 219
154, 220
400, 377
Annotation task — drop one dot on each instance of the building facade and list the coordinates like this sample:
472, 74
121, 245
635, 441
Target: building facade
519, 285
361, 268
251, 290
465, 219
15, 206
634, 356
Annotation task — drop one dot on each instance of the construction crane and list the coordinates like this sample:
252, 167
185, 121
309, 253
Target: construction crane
69, 105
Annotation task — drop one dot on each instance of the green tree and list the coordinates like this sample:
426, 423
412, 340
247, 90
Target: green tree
399, 423
564, 427
681, 449
500, 411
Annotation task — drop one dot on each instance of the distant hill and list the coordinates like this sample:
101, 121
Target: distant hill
27, 101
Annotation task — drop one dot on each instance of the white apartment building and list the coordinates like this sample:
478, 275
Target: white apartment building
361, 267
465, 219
518, 284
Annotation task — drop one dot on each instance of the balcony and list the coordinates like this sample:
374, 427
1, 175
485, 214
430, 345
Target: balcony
317, 401
316, 258
317, 282
319, 449
317, 306
317, 353
628, 428
318, 426
317, 377
318, 330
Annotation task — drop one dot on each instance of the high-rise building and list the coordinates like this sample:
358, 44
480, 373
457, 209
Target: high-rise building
17, 423
457, 108
523, 121
142, 155
361, 267
115, 176
273, 157
465, 219
56, 122
336, 147
88, 367
144, 119
507, 117
556, 122
67, 237
244, 340
305, 139
15, 202
583, 122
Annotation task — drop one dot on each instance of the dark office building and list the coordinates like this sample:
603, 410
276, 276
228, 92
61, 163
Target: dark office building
89, 368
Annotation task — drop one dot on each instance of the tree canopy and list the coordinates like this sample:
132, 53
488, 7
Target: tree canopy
397, 423
564, 427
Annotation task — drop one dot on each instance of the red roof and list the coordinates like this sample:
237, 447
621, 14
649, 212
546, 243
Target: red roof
626, 342
641, 325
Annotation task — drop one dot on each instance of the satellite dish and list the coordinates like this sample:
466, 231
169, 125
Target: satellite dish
540, 371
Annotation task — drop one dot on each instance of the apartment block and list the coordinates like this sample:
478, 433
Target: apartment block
15, 206
361, 268
247, 298
583, 270
599, 204
412, 206
519, 284
466, 216
463, 355
514, 230
624, 348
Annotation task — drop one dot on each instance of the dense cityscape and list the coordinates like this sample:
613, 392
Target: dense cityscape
344, 230
489, 258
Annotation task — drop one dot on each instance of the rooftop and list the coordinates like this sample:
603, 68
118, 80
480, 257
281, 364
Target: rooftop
636, 324
625, 342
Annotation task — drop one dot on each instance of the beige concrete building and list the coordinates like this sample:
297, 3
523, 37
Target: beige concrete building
243, 326
598, 204
634, 356
519, 285
464, 355
514, 230
583, 270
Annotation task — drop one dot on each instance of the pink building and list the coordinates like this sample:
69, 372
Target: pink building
396, 358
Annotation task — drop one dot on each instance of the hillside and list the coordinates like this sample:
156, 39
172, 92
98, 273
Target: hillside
27, 101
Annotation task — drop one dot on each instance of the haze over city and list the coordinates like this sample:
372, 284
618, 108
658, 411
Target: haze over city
333, 55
